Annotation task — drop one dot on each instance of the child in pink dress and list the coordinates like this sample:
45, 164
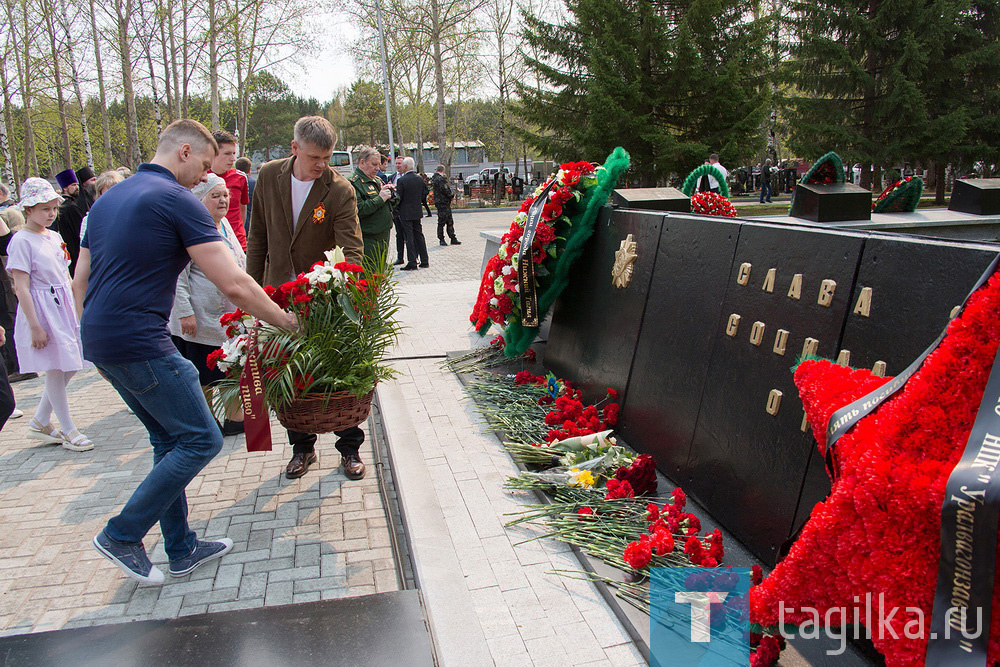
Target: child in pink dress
47, 330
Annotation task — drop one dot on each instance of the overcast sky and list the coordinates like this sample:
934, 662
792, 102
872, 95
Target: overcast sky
332, 67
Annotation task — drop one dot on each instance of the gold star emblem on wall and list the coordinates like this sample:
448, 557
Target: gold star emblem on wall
621, 272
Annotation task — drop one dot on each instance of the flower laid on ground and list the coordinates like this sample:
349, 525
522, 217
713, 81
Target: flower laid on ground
568, 215
712, 203
348, 321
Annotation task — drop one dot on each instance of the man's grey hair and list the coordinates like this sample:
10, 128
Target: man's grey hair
315, 130
440, 169
4, 190
409, 164
366, 153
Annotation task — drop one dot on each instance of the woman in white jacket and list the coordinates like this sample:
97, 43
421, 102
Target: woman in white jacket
198, 304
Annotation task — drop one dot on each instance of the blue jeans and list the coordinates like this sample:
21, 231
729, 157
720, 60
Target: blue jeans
765, 190
166, 396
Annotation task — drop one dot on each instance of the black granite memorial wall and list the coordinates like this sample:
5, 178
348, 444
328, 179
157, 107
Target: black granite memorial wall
702, 344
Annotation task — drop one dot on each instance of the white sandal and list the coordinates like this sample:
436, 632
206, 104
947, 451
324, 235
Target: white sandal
77, 443
48, 434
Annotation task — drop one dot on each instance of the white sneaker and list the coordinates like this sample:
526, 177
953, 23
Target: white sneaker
17, 413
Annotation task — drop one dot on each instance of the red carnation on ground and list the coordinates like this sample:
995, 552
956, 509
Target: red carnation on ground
617, 489
640, 476
639, 554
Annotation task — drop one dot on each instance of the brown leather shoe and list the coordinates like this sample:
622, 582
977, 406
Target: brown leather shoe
299, 465
353, 467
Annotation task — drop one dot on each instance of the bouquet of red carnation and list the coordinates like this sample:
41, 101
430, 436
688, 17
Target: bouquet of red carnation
712, 203
641, 475
347, 316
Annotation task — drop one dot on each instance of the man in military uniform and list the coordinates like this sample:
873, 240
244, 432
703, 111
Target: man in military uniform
376, 201
442, 202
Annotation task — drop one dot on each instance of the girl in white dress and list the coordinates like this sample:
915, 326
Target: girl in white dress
47, 330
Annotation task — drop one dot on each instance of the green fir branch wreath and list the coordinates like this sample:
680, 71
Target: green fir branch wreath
691, 182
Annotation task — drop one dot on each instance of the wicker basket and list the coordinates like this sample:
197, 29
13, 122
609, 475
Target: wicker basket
323, 414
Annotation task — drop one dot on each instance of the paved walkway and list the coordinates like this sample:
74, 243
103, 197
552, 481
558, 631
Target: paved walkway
489, 601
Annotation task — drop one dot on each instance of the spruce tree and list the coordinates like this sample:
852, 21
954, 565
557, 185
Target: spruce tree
671, 82
859, 72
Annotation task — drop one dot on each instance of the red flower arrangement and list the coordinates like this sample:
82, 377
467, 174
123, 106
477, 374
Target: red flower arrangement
879, 530
641, 475
498, 299
571, 418
660, 541
712, 203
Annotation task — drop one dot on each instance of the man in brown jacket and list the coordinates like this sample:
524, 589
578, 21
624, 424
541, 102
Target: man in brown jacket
302, 208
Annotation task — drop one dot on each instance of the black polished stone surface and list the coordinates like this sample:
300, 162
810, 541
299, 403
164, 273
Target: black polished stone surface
376, 630
692, 270
651, 199
746, 465
980, 196
831, 203
594, 333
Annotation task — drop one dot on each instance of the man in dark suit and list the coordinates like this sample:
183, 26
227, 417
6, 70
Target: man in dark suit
397, 224
302, 208
411, 190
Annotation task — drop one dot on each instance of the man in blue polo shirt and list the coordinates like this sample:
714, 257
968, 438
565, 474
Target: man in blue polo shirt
140, 235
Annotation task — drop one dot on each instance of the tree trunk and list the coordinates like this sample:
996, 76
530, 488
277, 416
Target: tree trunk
184, 57
213, 65
939, 176
64, 20
152, 84
169, 98
49, 10
24, 74
105, 126
441, 129
173, 59
125, 52
10, 157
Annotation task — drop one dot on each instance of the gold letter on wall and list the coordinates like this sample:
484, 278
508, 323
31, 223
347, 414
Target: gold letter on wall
744, 275
733, 325
757, 333
826, 290
795, 289
780, 340
864, 305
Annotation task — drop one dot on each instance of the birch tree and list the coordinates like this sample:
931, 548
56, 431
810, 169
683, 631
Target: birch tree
65, 24
105, 126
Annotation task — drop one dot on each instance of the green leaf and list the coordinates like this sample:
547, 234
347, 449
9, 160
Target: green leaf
345, 303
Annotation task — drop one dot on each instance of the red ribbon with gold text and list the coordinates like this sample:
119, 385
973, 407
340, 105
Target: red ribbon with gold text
256, 422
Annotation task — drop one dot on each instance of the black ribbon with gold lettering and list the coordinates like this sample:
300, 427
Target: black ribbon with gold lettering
846, 417
970, 514
525, 264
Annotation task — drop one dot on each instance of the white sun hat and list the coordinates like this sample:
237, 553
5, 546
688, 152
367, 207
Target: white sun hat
36, 191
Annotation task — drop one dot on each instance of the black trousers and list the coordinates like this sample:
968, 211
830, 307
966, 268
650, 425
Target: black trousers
445, 220
416, 246
348, 441
400, 236
6, 400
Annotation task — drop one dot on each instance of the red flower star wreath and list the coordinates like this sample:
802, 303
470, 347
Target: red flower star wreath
879, 530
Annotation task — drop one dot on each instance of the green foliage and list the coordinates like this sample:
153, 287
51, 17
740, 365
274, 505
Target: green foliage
883, 81
364, 109
670, 81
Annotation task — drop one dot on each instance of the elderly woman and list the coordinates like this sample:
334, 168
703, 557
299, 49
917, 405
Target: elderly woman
198, 304
375, 202
103, 184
